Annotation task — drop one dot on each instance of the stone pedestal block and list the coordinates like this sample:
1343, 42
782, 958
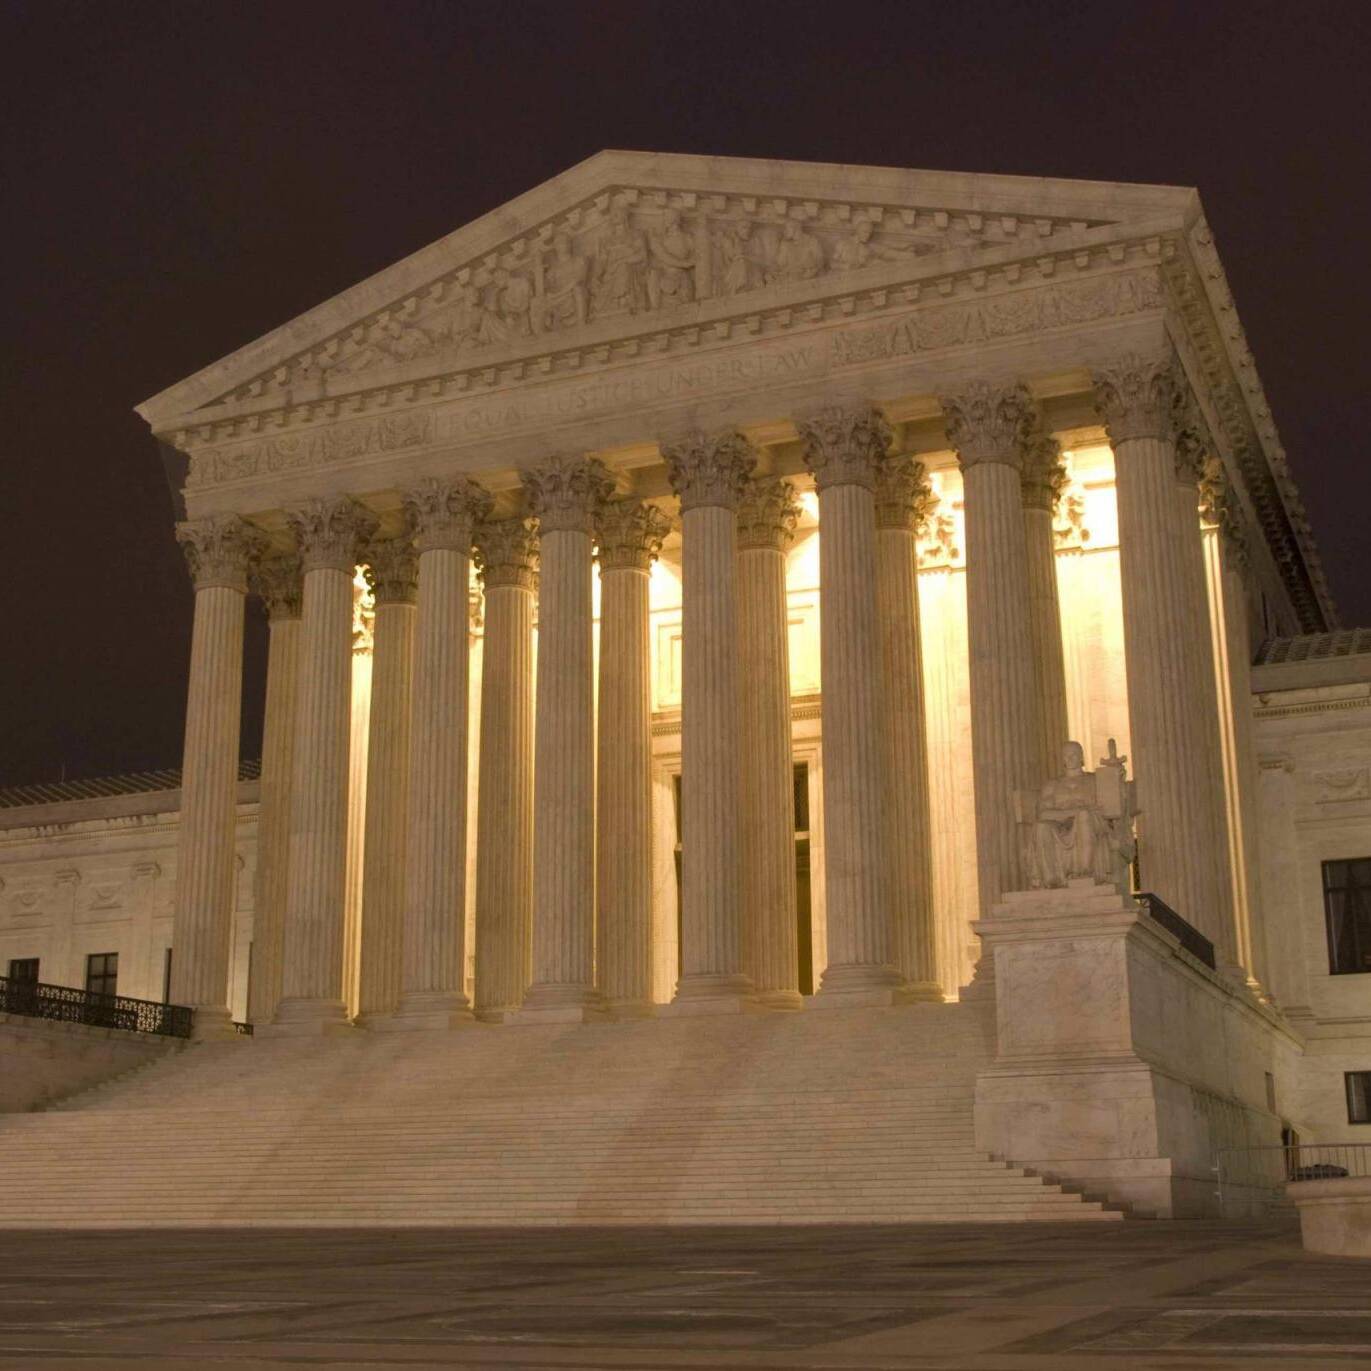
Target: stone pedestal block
1123, 1063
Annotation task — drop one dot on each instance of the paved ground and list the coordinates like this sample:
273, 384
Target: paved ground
1129, 1297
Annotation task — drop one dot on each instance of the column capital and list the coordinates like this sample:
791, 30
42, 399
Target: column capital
507, 553
278, 581
843, 445
441, 513
391, 567
706, 470
767, 514
1194, 445
988, 423
904, 496
1044, 474
1219, 509
565, 493
630, 534
1136, 396
330, 532
218, 550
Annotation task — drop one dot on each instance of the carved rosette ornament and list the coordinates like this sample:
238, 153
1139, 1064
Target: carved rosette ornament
904, 495
1044, 473
507, 553
629, 535
391, 568
442, 513
218, 550
565, 493
1136, 396
331, 532
987, 423
706, 471
767, 514
843, 445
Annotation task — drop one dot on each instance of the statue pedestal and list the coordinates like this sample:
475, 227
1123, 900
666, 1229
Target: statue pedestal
1123, 1063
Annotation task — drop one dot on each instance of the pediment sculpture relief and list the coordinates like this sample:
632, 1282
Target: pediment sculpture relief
633, 263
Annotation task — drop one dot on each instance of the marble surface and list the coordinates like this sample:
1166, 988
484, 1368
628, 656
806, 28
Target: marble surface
980, 1298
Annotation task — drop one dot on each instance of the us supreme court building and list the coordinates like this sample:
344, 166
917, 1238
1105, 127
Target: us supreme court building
794, 692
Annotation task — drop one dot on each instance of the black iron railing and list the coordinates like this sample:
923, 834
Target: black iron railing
63, 1003
1191, 939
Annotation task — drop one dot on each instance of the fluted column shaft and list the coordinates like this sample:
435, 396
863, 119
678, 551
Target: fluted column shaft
986, 426
278, 582
217, 550
565, 496
770, 952
330, 534
392, 573
843, 449
1043, 475
903, 503
1178, 856
630, 535
708, 475
508, 553
440, 515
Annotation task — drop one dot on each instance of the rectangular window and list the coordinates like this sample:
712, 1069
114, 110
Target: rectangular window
102, 973
1358, 1096
1347, 911
24, 969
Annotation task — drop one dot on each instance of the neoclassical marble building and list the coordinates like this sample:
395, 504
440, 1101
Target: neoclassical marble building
681, 579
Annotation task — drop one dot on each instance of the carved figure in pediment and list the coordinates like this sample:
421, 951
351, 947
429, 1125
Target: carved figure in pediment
799, 255
856, 249
1080, 824
404, 342
739, 269
507, 305
458, 325
619, 285
358, 352
566, 279
671, 274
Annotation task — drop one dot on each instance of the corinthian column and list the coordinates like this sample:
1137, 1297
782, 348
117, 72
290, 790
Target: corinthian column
1043, 477
630, 536
904, 500
440, 515
986, 427
767, 517
330, 534
708, 474
507, 553
1179, 857
843, 448
217, 550
565, 495
277, 580
392, 573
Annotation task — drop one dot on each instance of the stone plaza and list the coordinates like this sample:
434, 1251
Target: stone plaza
795, 694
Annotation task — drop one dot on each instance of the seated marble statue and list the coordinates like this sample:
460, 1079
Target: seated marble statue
1079, 825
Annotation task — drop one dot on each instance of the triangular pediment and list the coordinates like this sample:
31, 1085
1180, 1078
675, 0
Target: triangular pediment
631, 245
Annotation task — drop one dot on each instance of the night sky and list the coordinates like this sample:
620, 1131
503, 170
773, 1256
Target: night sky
181, 178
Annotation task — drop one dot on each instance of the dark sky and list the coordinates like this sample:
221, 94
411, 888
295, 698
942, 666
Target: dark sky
182, 177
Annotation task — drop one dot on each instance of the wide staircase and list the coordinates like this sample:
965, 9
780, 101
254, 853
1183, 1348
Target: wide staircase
845, 1116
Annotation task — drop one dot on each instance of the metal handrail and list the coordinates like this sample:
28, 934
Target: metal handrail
65, 1004
1273, 1166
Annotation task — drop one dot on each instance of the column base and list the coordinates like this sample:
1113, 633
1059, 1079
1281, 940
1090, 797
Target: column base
709, 994
375, 1021
857, 985
781, 1000
631, 1009
213, 1023
496, 1013
920, 992
296, 1018
431, 1009
551, 1003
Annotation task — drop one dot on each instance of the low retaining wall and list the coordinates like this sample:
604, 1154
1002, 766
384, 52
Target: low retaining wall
1335, 1215
42, 1060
